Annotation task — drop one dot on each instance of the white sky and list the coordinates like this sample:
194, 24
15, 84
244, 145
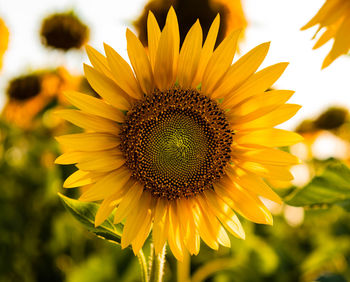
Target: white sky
278, 21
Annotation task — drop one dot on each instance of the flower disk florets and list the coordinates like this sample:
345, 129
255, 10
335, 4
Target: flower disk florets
176, 142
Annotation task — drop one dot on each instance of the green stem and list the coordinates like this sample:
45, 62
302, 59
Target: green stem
151, 262
143, 264
183, 268
157, 271
211, 267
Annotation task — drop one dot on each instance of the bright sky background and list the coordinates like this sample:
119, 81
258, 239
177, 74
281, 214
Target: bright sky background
278, 21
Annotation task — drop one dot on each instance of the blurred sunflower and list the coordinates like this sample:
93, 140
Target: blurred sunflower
4, 40
64, 31
28, 95
188, 11
194, 143
334, 17
334, 120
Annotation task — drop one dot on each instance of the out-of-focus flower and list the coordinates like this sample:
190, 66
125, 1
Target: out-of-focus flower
322, 135
64, 31
4, 40
30, 94
188, 11
180, 161
334, 18
332, 118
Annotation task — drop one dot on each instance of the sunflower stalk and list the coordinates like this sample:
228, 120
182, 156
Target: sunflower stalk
183, 268
156, 269
143, 264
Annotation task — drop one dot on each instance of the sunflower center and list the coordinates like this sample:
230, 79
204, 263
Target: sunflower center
176, 142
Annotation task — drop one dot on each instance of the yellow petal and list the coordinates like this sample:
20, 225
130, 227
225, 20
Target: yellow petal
104, 210
225, 214
241, 70
335, 15
171, 21
74, 157
94, 106
189, 55
271, 137
153, 33
122, 73
160, 226
243, 202
328, 8
89, 141
140, 62
267, 171
204, 227
89, 122
99, 61
144, 229
207, 50
257, 83
278, 116
110, 184
219, 63
174, 240
252, 183
163, 68
129, 201
121, 192
213, 225
325, 37
252, 109
69, 158
107, 89
102, 162
267, 156
341, 44
167, 53
188, 226
269, 99
223, 238
133, 221
77, 179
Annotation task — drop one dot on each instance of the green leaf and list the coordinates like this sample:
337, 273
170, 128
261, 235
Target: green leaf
332, 186
331, 277
85, 213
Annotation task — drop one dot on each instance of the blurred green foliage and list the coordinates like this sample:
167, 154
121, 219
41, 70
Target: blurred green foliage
39, 240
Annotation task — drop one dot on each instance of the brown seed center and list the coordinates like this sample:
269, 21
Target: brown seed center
177, 142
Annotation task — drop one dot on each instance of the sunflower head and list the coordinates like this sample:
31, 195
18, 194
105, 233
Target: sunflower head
332, 118
176, 142
181, 140
64, 31
24, 87
31, 95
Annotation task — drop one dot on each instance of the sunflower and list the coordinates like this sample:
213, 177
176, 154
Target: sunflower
182, 145
4, 40
31, 94
334, 17
64, 31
